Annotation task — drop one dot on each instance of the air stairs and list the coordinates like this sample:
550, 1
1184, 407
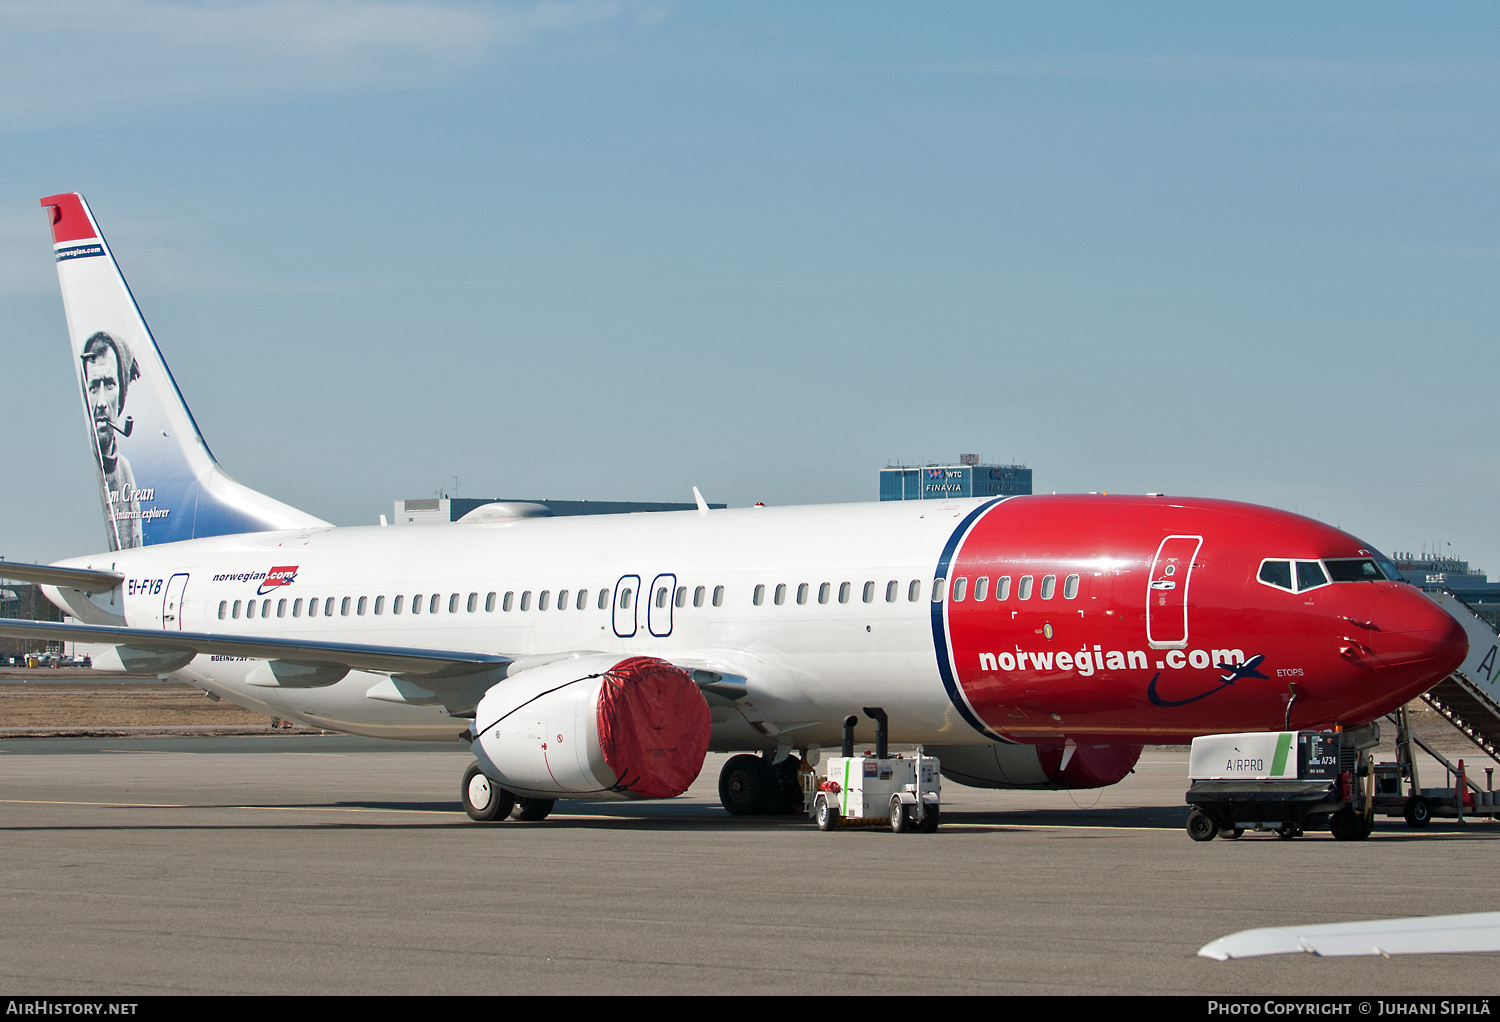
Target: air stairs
1468, 699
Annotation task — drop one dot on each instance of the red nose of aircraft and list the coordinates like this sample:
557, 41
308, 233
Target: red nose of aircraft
1409, 641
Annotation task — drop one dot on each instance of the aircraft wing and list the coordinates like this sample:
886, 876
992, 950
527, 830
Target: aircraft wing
86, 579
1430, 935
415, 663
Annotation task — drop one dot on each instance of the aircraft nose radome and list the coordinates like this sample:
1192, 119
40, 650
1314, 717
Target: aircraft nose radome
1413, 631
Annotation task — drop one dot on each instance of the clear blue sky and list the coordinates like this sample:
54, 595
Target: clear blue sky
612, 250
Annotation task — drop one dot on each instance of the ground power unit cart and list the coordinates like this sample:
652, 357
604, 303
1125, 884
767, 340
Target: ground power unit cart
903, 791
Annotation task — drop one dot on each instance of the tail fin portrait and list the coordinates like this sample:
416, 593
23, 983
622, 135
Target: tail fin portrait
158, 481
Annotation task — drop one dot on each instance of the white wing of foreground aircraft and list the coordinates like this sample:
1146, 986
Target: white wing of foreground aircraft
1028, 642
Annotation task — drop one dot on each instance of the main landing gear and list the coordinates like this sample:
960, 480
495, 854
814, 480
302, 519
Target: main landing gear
487, 802
754, 786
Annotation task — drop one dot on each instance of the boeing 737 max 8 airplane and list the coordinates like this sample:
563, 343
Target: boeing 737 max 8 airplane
1033, 641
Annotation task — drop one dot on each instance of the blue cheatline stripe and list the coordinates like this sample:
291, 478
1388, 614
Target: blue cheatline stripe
93, 248
940, 626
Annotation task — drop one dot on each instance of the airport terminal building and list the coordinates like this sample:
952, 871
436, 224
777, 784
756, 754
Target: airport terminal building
966, 479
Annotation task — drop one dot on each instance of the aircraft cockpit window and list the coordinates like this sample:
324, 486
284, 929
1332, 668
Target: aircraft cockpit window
1277, 574
1352, 569
1310, 575
1070, 587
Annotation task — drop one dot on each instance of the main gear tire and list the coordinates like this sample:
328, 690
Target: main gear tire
746, 785
484, 800
532, 810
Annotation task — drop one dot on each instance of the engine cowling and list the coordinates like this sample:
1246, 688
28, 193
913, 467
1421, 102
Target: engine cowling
1036, 766
594, 727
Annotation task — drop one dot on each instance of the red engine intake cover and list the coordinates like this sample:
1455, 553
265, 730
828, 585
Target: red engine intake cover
653, 726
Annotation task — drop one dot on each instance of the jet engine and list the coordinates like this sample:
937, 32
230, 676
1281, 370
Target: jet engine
1060, 765
595, 727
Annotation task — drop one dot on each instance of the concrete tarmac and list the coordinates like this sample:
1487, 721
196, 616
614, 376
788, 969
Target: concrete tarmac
308, 864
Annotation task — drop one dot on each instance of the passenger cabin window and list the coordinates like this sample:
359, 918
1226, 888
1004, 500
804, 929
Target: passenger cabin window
869, 592
604, 599
914, 591
960, 588
297, 607
892, 588
328, 607
562, 600
223, 609
698, 595
363, 602
844, 590
583, 599
780, 594
281, 608
824, 591
453, 604
1070, 587
939, 589
489, 603
981, 588
508, 602
473, 603
661, 597
1023, 591
380, 605
718, 596
759, 596
526, 599
416, 604
344, 607
395, 605
432, 603
802, 594
544, 599
1049, 586
680, 600
1002, 588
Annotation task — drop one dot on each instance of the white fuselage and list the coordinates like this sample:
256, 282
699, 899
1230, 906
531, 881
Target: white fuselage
804, 657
